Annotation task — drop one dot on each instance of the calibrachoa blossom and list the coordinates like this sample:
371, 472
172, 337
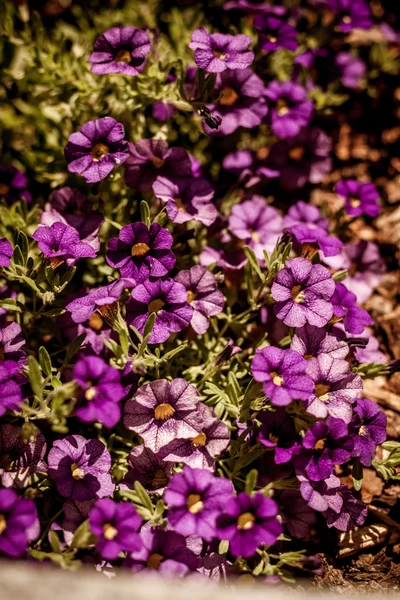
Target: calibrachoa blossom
152, 470
103, 300
278, 431
352, 514
351, 14
6, 252
21, 455
120, 50
61, 243
13, 184
216, 52
19, 524
315, 238
359, 197
290, 108
310, 341
275, 33
11, 342
96, 149
304, 213
345, 308
186, 199
369, 424
115, 527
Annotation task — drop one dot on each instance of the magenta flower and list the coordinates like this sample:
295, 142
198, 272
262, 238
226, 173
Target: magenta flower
13, 184
168, 300
61, 243
369, 424
216, 52
186, 199
6, 252
116, 528
345, 308
19, 524
94, 151
202, 294
20, 457
150, 469
140, 252
283, 374
275, 33
290, 108
351, 14
303, 292
360, 198
120, 50
310, 341
163, 411
103, 300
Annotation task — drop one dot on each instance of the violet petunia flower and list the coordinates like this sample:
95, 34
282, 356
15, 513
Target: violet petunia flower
140, 252
96, 149
195, 499
96, 331
20, 456
313, 239
275, 33
336, 388
306, 214
151, 158
202, 294
248, 522
120, 50
283, 374
352, 514
61, 243
278, 432
303, 292
13, 184
161, 412
10, 387
116, 528
289, 108
369, 424
351, 14
80, 468
322, 495
11, 342
310, 341
103, 300
168, 300
371, 352
150, 469
6, 252
360, 198
345, 309
187, 199
19, 524
215, 52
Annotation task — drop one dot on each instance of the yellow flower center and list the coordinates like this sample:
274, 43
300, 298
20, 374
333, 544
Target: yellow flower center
109, 531
320, 444
163, 412
297, 294
354, 202
200, 440
297, 153
155, 305
139, 249
219, 54
281, 107
123, 56
245, 520
154, 561
321, 391
98, 151
95, 322
276, 379
228, 97
90, 393
3, 524
77, 473
157, 162
273, 438
191, 296
194, 503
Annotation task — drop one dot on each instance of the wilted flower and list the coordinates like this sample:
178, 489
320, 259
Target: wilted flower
216, 52
352, 514
313, 239
310, 341
103, 300
120, 50
150, 469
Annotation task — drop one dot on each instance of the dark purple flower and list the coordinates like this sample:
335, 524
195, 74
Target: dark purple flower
283, 374
168, 300
303, 292
75, 513
216, 52
289, 106
310, 341
151, 470
11, 342
361, 198
277, 431
120, 50
163, 411
352, 514
95, 328
322, 495
351, 14
369, 424
116, 528
275, 33
305, 213
21, 455
250, 167
351, 69
6, 252
13, 184
148, 159
80, 468
140, 252
61, 243
248, 522
104, 300
297, 517
10, 387
313, 239
19, 524
195, 499
336, 388
202, 294
345, 309
94, 151
187, 199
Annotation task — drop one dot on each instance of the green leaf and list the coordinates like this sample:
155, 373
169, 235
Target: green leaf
83, 536
35, 377
10, 305
74, 346
252, 258
357, 473
45, 361
251, 481
18, 257
143, 496
145, 213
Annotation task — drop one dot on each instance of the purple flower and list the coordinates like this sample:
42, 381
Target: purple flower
258, 224
275, 33
255, 7
195, 499
351, 69
80, 468
303, 292
13, 184
351, 14
313, 239
100, 391
140, 252
75, 513
310, 341
168, 300
336, 388
283, 374
163, 411
163, 551
369, 423
290, 108
10, 387
149, 159
240, 101
322, 495
361, 198
250, 167
162, 111
61, 243
345, 308
94, 151
278, 431
151, 470
21, 455
305, 213
297, 517
11, 342
95, 329
19, 524
216, 52
187, 199
352, 514
202, 294
116, 528
120, 50
371, 352
6, 252
104, 300
248, 522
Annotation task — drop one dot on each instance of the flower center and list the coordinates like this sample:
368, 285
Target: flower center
200, 440
154, 561
272, 38
194, 503
321, 391
3, 523
273, 438
109, 531
157, 162
219, 54
98, 151
77, 473
159, 478
95, 322
4, 189
245, 520
282, 108
262, 153
139, 249
155, 305
163, 412
276, 379
123, 56
297, 153
354, 202
180, 205
108, 311
346, 19
320, 444
308, 356
297, 294
191, 296
90, 393
362, 430
228, 97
